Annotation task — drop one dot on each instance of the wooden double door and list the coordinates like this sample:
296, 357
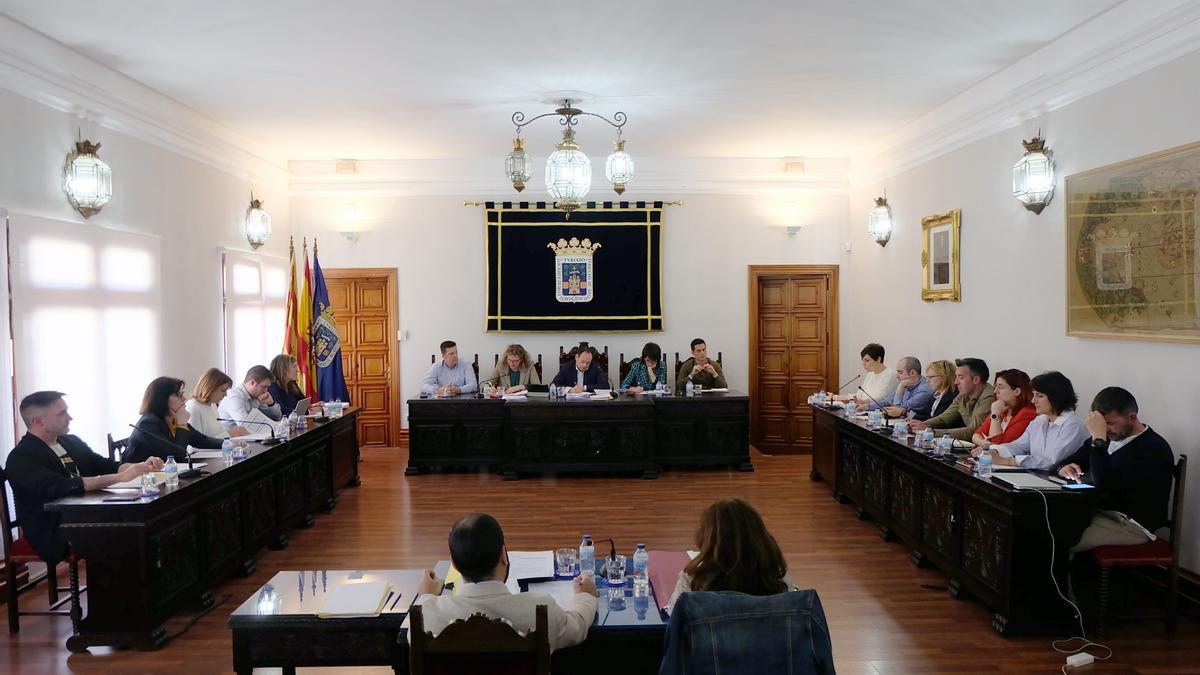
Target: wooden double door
793, 351
364, 307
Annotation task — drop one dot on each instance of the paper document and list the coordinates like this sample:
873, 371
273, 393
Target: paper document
206, 454
579, 395
515, 397
350, 600
605, 392
159, 477
1129, 523
600, 397
716, 390
529, 565
561, 591
692, 554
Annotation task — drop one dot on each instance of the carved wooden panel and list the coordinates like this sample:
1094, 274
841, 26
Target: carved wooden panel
339, 296
807, 330
772, 430
221, 527
773, 294
906, 500
578, 444
316, 466
259, 508
875, 481
372, 365
807, 362
772, 360
772, 328
371, 331
174, 560
772, 395
370, 296
526, 443
291, 490
939, 511
633, 442
482, 440
347, 336
726, 437
851, 468
375, 432
676, 439
800, 429
983, 543
808, 295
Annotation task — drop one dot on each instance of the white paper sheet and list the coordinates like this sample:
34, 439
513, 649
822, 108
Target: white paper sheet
716, 390
529, 565
349, 600
561, 591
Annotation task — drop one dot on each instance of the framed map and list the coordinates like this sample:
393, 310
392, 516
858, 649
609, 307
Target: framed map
1133, 263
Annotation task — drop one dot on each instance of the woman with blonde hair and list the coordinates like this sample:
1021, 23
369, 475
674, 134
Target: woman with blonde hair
514, 372
940, 375
212, 386
736, 553
285, 388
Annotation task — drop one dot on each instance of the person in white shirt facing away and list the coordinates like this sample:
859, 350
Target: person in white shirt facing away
202, 406
451, 376
478, 551
1053, 435
878, 382
250, 402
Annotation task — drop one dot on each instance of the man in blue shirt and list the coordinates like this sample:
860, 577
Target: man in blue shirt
451, 377
913, 392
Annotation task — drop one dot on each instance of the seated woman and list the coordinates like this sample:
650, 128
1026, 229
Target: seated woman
646, 372
940, 375
1053, 435
514, 372
878, 382
736, 554
285, 390
163, 430
202, 406
1011, 413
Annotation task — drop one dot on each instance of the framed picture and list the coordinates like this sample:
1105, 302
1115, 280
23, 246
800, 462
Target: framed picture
939, 258
1133, 249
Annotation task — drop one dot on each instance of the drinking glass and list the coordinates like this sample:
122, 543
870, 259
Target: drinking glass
150, 485
565, 560
239, 451
699, 388
615, 570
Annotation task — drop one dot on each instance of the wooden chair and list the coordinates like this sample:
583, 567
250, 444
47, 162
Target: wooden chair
18, 552
623, 367
474, 364
479, 645
116, 448
601, 356
1154, 553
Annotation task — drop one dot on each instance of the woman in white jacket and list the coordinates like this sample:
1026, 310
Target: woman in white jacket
202, 406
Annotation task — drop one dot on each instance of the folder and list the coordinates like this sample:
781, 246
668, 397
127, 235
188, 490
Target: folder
354, 599
665, 567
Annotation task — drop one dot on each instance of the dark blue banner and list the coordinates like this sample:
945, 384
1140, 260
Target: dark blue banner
326, 345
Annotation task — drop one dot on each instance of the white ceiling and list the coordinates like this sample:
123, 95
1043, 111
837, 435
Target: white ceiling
374, 79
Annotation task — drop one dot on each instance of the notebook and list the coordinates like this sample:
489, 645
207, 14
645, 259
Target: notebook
665, 567
351, 600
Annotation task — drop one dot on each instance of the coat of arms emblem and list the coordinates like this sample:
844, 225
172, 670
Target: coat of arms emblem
573, 269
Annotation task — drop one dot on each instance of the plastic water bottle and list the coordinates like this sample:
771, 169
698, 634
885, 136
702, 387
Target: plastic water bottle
641, 564
927, 438
821, 396
293, 425
171, 469
227, 451
281, 429
659, 387
689, 389
983, 465
301, 423
851, 408
587, 557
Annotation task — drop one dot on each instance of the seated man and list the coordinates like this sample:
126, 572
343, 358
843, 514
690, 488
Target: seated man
451, 377
913, 393
479, 554
251, 402
1131, 467
49, 464
699, 370
582, 373
972, 405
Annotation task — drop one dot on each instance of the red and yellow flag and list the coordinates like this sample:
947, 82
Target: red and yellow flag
291, 332
308, 371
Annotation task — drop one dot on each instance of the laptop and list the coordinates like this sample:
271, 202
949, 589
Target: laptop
302, 407
1024, 481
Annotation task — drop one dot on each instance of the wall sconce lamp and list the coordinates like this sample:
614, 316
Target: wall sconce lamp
879, 224
1033, 175
87, 180
257, 226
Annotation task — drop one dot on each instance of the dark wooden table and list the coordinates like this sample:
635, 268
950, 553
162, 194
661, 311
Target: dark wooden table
150, 558
629, 433
278, 627
990, 541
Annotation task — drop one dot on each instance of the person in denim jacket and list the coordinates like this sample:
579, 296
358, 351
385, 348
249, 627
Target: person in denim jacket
736, 554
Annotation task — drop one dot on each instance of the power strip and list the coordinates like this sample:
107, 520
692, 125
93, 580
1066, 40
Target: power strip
1080, 659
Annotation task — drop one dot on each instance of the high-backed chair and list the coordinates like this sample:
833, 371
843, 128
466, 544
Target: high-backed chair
675, 370
115, 448
601, 356
479, 645
731, 632
18, 552
537, 365
1153, 553
623, 367
474, 364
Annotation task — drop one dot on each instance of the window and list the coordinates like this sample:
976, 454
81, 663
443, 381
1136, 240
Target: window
255, 293
85, 314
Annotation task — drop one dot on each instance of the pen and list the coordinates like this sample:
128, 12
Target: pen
394, 602
388, 598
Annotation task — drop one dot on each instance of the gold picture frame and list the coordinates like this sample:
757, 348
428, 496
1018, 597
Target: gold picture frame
940, 263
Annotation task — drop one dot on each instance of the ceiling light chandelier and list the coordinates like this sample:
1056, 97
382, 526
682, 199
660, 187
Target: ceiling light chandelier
87, 180
568, 169
1033, 175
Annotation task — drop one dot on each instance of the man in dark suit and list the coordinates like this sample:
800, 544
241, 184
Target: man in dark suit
49, 464
582, 373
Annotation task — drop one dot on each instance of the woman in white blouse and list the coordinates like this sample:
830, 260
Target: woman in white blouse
878, 381
202, 406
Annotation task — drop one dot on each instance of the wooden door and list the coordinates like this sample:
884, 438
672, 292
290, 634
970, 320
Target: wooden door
793, 351
364, 307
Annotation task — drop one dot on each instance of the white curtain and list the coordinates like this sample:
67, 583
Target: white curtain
86, 305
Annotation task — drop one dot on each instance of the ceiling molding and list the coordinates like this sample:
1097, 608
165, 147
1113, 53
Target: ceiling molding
485, 178
1131, 38
36, 67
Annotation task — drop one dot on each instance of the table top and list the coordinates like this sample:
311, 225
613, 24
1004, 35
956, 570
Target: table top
298, 595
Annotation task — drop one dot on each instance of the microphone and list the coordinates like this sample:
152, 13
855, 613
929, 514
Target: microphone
271, 427
191, 472
852, 380
881, 410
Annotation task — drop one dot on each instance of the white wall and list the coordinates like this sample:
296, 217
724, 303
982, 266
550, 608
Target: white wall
437, 246
193, 208
1012, 311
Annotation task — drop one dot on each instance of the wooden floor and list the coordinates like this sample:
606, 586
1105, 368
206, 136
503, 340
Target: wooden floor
883, 615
